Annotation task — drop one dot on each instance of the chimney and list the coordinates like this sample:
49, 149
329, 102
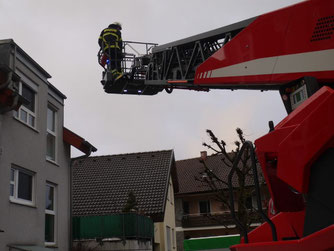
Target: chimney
204, 154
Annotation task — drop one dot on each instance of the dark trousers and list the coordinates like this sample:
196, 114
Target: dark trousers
115, 59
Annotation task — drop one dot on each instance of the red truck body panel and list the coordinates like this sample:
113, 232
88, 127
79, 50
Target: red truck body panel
319, 241
276, 48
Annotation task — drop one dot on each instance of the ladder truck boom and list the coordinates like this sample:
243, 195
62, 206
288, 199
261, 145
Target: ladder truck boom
262, 53
290, 50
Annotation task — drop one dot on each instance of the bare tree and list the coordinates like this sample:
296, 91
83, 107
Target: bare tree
243, 184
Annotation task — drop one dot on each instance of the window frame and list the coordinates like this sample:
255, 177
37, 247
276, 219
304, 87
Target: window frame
208, 207
168, 238
303, 95
15, 197
170, 193
185, 205
53, 213
173, 238
33, 114
52, 133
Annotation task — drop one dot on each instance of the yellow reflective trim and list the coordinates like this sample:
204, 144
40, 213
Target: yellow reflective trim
111, 46
113, 34
109, 30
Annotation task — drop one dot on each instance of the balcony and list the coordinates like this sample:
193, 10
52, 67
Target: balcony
215, 219
123, 226
208, 219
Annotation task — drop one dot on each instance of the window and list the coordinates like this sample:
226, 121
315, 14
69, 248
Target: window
298, 97
51, 134
173, 238
251, 202
21, 186
50, 214
185, 206
204, 207
170, 193
169, 244
27, 112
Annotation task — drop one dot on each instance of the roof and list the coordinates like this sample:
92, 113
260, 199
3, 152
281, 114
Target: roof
190, 170
78, 142
11, 42
23, 53
101, 184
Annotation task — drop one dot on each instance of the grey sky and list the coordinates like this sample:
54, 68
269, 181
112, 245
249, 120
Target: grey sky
62, 37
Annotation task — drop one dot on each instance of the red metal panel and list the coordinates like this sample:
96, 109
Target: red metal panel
284, 199
262, 38
285, 32
300, 138
302, 25
313, 133
319, 241
287, 153
287, 225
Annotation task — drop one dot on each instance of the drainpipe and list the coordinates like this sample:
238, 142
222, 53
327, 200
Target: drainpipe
71, 204
1, 151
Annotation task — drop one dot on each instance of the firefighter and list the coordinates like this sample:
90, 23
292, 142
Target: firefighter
110, 42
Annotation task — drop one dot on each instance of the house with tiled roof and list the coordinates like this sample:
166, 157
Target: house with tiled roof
198, 212
101, 185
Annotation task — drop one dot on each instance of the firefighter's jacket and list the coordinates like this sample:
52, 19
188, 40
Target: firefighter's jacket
110, 38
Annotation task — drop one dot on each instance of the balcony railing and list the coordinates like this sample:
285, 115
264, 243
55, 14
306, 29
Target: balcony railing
123, 226
212, 219
207, 219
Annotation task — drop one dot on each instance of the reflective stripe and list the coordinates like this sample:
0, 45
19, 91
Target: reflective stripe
115, 45
113, 34
107, 46
109, 30
116, 73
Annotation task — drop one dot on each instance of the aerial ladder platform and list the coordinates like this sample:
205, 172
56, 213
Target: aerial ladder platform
290, 50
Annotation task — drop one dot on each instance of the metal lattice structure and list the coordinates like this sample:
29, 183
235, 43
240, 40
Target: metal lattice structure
149, 68
178, 60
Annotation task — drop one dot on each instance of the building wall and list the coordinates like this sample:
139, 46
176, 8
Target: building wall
25, 147
202, 226
160, 228
194, 200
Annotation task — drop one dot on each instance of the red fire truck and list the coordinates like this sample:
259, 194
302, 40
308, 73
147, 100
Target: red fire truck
290, 50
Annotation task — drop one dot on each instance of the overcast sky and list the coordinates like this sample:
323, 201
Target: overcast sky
62, 37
